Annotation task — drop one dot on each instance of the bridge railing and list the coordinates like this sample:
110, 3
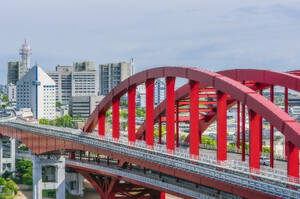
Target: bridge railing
183, 153
268, 185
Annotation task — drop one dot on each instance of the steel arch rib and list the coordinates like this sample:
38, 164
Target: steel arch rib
281, 120
264, 77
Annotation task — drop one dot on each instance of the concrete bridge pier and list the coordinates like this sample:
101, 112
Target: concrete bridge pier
48, 174
74, 183
8, 163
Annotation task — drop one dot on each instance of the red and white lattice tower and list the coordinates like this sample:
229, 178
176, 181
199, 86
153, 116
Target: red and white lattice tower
25, 53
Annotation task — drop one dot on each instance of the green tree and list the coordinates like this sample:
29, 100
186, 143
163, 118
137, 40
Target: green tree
2, 181
11, 185
58, 104
140, 112
163, 132
44, 121
5, 98
24, 166
27, 179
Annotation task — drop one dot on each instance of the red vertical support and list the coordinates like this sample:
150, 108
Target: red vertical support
80, 155
271, 131
254, 146
221, 126
194, 119
260, 129
293, 162
159, 130
177, 124
131, 114
116, 118
162, 195
89, 156
238, 126
101, 124
150, 112
243, 132
286, 109
170, 82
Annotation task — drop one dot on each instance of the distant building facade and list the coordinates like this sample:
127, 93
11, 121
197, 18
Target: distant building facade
159, 91
112, 74
83, 106
81, 79
36, 90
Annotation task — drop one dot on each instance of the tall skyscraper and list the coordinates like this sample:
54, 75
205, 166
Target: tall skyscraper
81, 79
13, 72
25, 53
36, 90
112, 74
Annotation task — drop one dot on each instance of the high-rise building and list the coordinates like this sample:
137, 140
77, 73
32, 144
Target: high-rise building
112, 74
12, 93
83, 106
13, 72
25, 53
63, 83
36, 90
77, 80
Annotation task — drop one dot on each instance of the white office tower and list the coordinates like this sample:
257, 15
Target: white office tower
12, 93
25, 53
36, 90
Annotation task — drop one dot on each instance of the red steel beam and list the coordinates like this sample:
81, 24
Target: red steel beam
101, 123
254, 152
238, 126
150, 112
170, 82
116, 118
177, 124
221, 127
293, 162
159, 130
131, 114
194, 119
243, 132
286, 109
271, 131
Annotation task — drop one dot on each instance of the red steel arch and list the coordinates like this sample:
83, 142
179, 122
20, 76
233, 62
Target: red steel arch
281, 120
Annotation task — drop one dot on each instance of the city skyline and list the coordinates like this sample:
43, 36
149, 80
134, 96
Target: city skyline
213, 35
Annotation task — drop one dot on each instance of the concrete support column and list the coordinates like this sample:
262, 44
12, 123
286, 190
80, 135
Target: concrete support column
59, 184
13, 154
37, 178
1, 156
60, 179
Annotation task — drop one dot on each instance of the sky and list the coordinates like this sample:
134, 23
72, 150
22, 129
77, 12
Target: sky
210, 34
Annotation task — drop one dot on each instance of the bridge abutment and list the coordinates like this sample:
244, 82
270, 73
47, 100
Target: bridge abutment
43, 177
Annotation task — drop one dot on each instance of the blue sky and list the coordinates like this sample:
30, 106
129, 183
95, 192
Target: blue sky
215, 35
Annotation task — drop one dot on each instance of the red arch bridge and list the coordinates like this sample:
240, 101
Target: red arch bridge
138, 164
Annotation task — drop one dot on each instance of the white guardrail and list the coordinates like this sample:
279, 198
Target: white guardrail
180, 159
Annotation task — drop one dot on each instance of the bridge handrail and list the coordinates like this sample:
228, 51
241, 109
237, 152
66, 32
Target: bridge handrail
198, 169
